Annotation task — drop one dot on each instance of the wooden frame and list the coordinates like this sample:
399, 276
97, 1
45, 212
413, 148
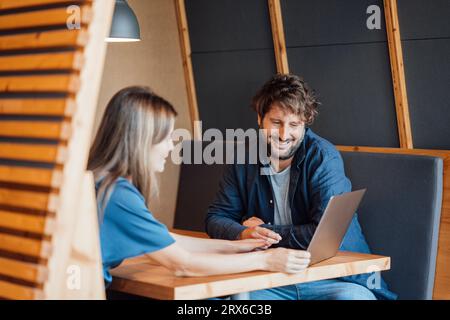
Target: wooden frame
42, 18
185, 46
279, 43
16, 4
67, 238
48, 206
398, 74
48, 39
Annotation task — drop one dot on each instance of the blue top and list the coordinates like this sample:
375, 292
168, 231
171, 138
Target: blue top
128, 228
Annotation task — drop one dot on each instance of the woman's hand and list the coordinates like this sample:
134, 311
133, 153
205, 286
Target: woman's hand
287, 260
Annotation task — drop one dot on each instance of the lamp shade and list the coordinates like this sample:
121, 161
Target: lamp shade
125, 26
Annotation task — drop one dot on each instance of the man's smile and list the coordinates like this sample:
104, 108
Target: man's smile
281, 145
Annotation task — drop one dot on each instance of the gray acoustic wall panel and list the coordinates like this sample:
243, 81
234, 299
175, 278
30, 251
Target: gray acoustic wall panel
232, 56
322, 22
226, 82
425, 30
424, 19
354, 85
428, 83
217, 25
331, 47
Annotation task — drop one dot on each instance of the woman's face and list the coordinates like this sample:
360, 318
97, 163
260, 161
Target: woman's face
160, 152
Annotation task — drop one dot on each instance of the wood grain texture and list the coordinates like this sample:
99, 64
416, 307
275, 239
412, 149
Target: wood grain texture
41, 225
67, 83
71, 191
16, 4
140, 277
85, 251
41, 201
17, 292
33, 152
31, 176
41, 18
185, 46
45, 39
26, 246
30, 272
36, 106
28, 78
442, 277
35, 129
195, 234
279, 42
398, 74
42, 61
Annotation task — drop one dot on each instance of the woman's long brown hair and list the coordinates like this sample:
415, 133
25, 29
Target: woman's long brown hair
135, 119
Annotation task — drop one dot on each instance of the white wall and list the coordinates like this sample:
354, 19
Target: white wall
155, 62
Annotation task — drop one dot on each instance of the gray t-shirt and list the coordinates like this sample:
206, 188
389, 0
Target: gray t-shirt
280, 185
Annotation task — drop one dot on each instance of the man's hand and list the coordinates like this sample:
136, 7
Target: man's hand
254, 231
260, 233
252, 222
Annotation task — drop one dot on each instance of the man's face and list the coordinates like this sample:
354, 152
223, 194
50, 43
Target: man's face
285, 131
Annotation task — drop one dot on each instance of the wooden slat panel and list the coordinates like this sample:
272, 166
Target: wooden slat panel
42, 18
279, 43
29, 200
42, 61
16, 4
398, 74
47, 107
31, 176
32, 152
21, 245
25, 222
47, 39
40, 83
23, 270
35, 129
18, 292
442, 276
67, 214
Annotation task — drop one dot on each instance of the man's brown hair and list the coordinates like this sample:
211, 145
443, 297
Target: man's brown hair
289, 92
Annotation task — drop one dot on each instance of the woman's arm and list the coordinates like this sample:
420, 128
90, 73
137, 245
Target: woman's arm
193, 244
194, 264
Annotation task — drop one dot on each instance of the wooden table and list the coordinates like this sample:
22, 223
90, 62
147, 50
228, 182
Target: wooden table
140, 276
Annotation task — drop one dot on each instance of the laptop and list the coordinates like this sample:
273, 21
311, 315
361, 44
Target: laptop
334, 224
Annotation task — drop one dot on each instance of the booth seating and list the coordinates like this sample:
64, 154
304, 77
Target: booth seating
399, 215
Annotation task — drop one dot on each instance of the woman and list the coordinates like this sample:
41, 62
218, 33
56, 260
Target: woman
132, 143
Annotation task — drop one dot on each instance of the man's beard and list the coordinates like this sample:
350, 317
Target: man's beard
291, 152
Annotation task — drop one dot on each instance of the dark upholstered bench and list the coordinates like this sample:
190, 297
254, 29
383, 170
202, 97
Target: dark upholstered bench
399, 215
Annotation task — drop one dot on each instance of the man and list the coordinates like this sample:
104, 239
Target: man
285, 207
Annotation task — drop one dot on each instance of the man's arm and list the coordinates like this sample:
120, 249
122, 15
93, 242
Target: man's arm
328, 180
226, 212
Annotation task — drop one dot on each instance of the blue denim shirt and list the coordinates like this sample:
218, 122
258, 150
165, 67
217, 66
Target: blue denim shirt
317, 173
